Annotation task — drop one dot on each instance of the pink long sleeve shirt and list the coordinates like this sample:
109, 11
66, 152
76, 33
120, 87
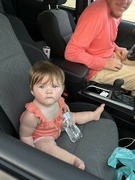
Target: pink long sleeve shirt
94, 36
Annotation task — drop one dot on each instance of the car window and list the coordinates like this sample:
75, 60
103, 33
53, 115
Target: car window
70, 3
129, 14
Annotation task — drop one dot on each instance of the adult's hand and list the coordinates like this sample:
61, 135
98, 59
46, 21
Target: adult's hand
121, 53
113, 64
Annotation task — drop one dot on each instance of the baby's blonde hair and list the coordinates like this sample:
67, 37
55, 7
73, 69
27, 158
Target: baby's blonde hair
45, 68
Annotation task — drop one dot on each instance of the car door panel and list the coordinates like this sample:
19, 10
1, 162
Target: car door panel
126, 34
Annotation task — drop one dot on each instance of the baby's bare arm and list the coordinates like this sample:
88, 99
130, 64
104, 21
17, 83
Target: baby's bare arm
27, 127
66, 108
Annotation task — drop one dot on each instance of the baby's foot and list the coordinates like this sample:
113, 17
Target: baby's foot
79, 163
98, 111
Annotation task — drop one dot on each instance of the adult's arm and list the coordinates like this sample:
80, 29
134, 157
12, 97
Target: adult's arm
85, 35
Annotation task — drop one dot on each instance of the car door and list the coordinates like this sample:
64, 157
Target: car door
126, 30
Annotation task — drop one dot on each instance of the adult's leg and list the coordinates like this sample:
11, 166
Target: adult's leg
127, 73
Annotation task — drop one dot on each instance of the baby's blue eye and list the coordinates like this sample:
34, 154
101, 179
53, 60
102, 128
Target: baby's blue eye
42, 86
55, 86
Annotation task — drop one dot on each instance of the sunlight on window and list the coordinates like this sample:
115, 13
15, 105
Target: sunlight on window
70, 3
129, 14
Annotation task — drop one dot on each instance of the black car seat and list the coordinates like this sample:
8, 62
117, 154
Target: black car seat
99, 140
34, 51
56, 26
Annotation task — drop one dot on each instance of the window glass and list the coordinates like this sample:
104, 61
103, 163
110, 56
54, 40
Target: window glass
129, 14
70, 3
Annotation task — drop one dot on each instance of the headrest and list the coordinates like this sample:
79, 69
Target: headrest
1, 7
54, 2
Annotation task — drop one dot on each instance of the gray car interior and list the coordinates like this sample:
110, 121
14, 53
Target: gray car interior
17, 54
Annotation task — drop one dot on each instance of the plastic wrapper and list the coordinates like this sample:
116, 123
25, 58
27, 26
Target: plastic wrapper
123, 160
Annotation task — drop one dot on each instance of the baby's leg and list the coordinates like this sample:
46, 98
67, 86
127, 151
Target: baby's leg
98, 111
87, 116
49, 146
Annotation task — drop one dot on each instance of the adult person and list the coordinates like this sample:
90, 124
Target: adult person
93, 44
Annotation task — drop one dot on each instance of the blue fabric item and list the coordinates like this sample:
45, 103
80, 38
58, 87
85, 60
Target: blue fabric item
126, 159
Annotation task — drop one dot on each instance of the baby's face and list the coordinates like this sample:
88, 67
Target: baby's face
47, 92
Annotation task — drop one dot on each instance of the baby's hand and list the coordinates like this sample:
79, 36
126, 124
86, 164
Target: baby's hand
66, 108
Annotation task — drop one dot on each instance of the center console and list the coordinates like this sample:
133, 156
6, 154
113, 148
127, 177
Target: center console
119, 103
110, 96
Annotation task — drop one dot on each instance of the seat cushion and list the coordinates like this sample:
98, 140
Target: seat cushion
99, 140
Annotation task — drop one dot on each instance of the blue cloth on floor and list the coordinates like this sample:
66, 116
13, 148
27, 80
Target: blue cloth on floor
124, 158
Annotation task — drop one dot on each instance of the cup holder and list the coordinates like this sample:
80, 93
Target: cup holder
109, 96
97, 91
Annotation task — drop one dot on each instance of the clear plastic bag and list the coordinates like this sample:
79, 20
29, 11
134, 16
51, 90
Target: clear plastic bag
71, 128
125, 159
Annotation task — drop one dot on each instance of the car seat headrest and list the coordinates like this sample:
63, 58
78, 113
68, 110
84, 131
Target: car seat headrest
54, 2
1, 7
